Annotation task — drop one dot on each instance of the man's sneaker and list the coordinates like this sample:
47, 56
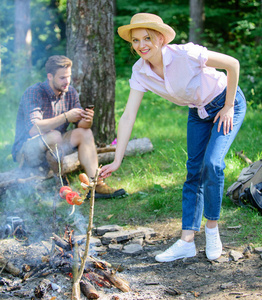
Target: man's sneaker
213, 244
103, 191
179, 250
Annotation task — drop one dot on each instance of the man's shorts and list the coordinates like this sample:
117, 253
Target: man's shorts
33, 151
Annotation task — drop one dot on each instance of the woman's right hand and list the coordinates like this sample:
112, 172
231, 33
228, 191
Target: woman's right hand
107, 170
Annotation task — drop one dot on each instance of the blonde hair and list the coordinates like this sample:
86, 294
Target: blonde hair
56, 62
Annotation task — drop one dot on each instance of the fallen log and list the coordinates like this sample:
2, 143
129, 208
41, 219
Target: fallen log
71, 163
135, 146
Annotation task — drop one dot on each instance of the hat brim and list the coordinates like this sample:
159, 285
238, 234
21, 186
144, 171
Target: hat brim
166, 30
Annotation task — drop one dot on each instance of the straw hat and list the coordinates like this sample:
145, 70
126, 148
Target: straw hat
150, 21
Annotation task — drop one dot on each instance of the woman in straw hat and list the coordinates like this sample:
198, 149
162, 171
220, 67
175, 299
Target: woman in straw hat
186, 75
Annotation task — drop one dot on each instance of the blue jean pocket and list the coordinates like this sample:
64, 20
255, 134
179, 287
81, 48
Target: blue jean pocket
217, 104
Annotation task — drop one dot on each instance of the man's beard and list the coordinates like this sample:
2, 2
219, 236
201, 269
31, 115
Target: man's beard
60, 88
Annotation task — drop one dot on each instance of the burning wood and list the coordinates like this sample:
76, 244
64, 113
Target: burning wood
8, 266
97, 279
88, 289
61, 242
42, 288
38, 271
116, 281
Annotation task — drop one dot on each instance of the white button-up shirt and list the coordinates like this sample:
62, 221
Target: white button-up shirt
187, 79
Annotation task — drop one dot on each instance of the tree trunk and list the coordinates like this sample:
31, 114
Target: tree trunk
197, 18
23, 39
90, 45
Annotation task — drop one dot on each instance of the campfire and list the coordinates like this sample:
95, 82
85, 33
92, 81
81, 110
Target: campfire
66, 257
63, 258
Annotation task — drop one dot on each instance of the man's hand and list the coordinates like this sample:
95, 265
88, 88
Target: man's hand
74, 115
86, 119
87, 115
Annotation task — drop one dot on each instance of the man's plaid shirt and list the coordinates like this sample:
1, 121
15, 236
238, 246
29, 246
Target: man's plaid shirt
40, 102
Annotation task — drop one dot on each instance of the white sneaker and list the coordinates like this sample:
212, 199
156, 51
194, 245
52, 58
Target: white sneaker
213, 244
178, 250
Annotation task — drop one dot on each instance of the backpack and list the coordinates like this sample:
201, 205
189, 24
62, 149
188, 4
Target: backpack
247, 190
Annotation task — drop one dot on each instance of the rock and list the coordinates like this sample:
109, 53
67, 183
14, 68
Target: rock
107, 228
235, 255
138, 241
100, 249
258, 249
222, 259
248, 251
118, 247
95, 241
132, 249
126, 235
149, 232
227, 285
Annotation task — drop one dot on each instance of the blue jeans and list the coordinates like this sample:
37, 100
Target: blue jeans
207, 148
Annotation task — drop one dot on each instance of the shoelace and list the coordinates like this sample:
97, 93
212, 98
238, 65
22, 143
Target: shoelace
213, 240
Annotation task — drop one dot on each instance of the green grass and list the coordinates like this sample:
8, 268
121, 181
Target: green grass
153, 180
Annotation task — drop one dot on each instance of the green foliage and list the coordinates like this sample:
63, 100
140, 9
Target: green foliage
49, 34
48, 19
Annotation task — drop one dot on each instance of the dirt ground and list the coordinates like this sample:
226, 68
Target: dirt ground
194, 278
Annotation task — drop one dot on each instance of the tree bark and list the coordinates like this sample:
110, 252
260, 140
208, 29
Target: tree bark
90, 45
197, 19
23, 39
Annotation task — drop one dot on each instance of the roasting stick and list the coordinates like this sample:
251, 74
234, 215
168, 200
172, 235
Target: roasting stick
44, 141
57, 157
59, 165
78, 274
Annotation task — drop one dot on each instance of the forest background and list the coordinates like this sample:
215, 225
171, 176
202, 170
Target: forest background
231, 27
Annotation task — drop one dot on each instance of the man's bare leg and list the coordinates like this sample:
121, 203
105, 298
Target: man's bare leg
87, 154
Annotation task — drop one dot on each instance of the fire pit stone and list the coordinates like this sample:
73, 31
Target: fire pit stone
132, 249
126, 235
107, 228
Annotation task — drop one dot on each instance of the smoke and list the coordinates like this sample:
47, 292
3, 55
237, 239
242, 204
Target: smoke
33, 202
42, 210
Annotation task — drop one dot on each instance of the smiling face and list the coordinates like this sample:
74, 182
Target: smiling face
146, 43
60, 81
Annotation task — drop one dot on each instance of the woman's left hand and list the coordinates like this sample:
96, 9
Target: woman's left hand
225, 116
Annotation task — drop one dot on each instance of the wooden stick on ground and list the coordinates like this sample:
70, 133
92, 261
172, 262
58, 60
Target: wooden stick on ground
244, 157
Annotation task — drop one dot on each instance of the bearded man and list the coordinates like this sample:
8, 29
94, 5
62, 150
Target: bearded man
45, 111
